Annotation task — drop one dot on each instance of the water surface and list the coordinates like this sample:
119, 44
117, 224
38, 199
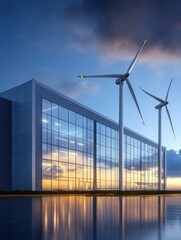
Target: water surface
90, 218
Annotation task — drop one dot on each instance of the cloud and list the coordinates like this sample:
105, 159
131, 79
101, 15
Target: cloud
75, 88
71, 88
173, 164
115, 29
113, 26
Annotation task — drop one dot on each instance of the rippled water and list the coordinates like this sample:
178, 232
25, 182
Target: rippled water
89, 218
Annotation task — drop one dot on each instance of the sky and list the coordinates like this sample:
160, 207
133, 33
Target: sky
55, 41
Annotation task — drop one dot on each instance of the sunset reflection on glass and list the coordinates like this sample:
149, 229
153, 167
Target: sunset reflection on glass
78, 154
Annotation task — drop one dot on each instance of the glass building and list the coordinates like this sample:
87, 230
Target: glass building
59, 144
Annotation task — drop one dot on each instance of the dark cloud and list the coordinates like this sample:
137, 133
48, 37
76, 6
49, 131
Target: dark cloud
173, 164
123, 24
112, 27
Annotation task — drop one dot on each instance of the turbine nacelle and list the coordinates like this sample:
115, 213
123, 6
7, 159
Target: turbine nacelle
122, 79
161, 105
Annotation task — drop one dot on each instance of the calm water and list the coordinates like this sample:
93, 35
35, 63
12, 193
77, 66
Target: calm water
99, 218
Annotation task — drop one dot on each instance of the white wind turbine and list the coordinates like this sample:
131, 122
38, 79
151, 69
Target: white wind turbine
120, 79
163, 103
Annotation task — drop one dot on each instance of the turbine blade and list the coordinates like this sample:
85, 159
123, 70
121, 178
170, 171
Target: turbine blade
170, 120
135, 58
158, 99
168, 90
134, 98
103, 76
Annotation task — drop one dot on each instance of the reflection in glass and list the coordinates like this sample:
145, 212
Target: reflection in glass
140, 165
69, 137
106, 159
67, 149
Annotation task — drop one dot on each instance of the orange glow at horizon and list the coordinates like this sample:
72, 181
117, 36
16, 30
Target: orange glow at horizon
173, 183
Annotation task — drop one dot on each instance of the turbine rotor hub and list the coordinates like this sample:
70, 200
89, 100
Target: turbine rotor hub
122, 79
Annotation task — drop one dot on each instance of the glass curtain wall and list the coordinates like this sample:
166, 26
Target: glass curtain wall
67, 149
163, 176
68, 142
140, 165
107, 168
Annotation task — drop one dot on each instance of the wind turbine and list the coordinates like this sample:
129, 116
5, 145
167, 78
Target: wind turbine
163, 103
120, 79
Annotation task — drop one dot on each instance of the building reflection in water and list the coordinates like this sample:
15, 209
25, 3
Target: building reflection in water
81, 217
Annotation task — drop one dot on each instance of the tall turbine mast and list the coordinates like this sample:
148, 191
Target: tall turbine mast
163, 103
120, 79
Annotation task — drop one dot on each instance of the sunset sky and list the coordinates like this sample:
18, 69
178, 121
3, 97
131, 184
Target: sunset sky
55, 41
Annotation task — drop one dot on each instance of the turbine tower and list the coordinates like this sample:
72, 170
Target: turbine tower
120, 79
163, 103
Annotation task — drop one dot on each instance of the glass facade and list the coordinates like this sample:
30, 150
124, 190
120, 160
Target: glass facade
107, 169
81, 154
67, 149
140, 165
140, 171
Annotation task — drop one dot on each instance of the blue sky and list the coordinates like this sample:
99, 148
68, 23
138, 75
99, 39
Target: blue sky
54, 41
